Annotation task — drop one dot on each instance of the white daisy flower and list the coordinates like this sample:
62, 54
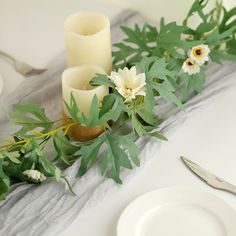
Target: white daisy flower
128, 83
199, 54
191, 67
35, 175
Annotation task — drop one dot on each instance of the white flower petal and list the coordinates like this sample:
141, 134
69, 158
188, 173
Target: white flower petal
120, 71
140, 79
191, 67
204, 51
121, 91
141, 93
133, 71
128, 83
116, 78
129, 99
130, 78
35, 175
124, 73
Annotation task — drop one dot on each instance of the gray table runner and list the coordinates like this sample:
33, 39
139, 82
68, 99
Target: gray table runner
49, 208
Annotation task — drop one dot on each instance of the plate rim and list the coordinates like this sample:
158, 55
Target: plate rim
174, 188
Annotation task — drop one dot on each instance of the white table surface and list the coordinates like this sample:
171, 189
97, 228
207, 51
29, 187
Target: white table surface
33, 32
203, 138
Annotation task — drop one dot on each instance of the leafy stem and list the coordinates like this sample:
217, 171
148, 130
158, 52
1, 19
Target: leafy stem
38, 136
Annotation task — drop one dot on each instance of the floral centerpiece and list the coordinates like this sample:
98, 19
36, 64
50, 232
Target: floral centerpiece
168, 61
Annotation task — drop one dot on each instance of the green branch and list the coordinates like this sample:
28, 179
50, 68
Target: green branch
38, 136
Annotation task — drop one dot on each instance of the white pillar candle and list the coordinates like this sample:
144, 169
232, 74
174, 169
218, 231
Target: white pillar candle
88, 40
75, 80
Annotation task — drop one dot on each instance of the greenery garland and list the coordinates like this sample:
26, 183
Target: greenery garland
151, 63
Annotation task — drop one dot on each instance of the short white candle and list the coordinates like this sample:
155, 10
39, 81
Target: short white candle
88, 40
75, 80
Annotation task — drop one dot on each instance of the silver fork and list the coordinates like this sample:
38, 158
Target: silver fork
22, 67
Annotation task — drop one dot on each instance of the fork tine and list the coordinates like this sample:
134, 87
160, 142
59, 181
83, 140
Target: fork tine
22, 67
27, 70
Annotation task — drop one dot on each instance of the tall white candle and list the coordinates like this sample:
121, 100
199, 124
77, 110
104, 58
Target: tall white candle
88, 40
75, 80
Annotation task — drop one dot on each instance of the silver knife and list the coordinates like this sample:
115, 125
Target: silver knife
208, 177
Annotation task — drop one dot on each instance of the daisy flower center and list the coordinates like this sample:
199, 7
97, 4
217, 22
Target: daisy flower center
197, 52
128, 91
189, 63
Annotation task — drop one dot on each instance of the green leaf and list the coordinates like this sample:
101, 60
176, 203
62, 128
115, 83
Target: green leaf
50, 168
136, 36
114, 175
57, 174
145, 64
121, 55
31, 156
4, 182
135, 46
101, 79
192, 83
127, 142
72, 108
231, 46
205, 27
137, 126
93, 117
13, 156
156, 68
147, 115
158, 135
227, 23
116, 155
64, 148
216, 38
198, 7
159, 70
148, 105
30, 117
219, 56
166, 92
119, 151
89, 155
170, 38
107, 103
14, 172
112, 107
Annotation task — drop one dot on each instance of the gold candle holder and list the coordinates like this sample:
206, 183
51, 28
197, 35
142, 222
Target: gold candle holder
75, 80
82, 133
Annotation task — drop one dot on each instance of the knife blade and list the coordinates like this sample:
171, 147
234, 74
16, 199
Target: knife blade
211, 179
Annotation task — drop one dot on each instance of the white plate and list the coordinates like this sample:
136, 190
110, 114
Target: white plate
178, 212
